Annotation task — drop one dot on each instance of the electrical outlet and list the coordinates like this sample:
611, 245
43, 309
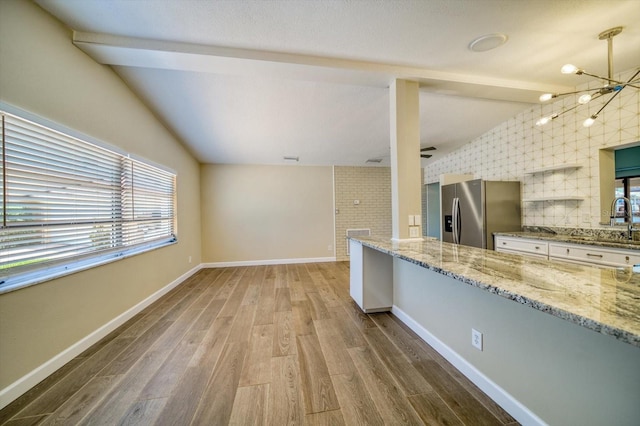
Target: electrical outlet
189, 259
476, 339
414, 232
330, 247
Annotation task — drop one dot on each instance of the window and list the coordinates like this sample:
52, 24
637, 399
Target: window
627, 184
66, 202
628, 187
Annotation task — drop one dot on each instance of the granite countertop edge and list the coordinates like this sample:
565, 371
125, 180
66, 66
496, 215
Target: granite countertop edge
589, 323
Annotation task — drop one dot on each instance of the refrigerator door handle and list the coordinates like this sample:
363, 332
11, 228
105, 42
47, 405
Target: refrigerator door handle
454, 220
458, 221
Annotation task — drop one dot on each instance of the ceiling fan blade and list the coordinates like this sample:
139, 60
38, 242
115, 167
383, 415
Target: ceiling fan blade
426, 155
429, 148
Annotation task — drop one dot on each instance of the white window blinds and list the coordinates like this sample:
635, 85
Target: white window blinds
64, 199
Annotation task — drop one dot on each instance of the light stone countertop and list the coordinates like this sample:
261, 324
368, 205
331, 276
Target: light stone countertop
605, 300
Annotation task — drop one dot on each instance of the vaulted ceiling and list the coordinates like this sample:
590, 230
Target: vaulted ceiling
248, 82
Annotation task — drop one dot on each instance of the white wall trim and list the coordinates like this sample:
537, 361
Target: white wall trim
268, 262
35, 376
521, 413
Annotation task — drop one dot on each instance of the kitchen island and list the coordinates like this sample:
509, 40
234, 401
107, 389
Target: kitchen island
561, 342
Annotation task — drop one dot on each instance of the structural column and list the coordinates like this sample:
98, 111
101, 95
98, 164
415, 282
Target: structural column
406, 208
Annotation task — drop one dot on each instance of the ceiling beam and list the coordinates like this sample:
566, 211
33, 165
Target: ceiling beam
135, 52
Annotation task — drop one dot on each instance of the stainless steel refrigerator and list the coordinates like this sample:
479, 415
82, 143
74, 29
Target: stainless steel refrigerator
473, 210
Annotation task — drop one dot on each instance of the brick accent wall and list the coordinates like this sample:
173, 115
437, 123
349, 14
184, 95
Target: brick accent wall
371, 186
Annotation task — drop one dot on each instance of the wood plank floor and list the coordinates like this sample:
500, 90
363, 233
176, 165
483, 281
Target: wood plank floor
265, 345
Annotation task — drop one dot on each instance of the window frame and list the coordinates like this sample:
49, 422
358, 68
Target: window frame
627, 184
17, 277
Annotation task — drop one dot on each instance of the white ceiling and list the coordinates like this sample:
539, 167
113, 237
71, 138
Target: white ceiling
253, 81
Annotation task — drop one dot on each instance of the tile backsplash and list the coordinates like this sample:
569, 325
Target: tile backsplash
517, 146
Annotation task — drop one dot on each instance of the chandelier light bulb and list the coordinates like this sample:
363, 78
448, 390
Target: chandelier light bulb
543, 121
569, 69
584, 99
589, 121
546, 97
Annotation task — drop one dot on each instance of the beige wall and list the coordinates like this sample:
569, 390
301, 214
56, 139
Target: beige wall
371, 186
43, 73
266, 213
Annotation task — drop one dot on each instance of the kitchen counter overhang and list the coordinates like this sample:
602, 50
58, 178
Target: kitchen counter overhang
604, 300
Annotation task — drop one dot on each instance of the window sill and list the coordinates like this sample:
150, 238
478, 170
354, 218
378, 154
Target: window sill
30, 278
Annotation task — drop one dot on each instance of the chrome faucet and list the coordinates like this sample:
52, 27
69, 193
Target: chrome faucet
628, 215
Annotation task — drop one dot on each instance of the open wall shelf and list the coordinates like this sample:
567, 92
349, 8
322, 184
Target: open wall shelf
553, 168
554, 198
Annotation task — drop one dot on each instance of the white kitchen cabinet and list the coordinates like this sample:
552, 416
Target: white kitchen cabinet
575, 253
371, 278
526, 246
579, 253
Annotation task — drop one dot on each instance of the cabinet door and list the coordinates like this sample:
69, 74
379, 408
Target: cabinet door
593, 255
522, 246
522, 253
371, 278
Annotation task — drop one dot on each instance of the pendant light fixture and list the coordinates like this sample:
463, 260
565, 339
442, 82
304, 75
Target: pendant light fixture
611, 87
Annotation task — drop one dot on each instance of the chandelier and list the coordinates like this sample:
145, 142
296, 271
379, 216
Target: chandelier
611, 87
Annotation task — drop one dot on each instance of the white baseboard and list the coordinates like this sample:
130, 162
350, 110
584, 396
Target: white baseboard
26, 382
521, 413
268, 262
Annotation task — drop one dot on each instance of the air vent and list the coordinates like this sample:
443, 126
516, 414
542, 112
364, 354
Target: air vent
362, 232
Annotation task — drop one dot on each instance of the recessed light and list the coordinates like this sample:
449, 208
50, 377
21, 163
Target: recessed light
488, 42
